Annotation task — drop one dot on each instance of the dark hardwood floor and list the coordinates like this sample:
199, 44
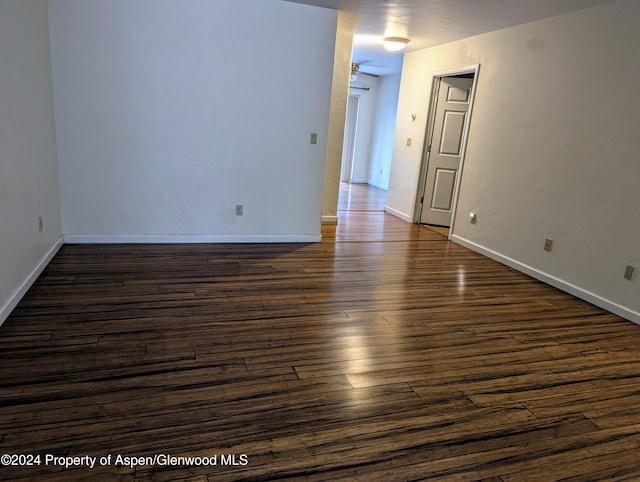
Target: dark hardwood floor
361, 197
385, 352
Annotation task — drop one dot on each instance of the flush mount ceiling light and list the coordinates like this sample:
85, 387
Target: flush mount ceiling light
394, 44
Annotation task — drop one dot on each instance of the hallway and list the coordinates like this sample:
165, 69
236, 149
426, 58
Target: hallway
360, 198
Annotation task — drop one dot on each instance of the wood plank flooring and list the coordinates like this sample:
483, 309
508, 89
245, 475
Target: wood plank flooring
361, 197
384, 352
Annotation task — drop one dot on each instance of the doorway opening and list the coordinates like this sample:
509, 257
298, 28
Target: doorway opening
356, 192
452, 95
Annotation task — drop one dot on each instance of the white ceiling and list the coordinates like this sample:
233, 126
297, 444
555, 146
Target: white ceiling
432, 22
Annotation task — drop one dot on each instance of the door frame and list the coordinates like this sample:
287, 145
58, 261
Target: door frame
350, 138
433, 98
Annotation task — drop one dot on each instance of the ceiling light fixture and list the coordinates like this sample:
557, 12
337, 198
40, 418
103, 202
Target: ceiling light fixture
395, 44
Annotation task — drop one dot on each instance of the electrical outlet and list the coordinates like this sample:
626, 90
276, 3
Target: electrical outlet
628, 272
239, 209
40, 224
548, 243
313, 139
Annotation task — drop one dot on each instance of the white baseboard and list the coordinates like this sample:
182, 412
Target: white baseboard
552, 280
330, 219
399, 214
17, 295
180, 238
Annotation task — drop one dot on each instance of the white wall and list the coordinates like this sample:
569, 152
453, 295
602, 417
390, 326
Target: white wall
28, 166
364, 129
375, 128
168, 114
553, 148
383, 131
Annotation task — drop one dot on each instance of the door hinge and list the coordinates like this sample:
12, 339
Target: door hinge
422, 200
428, 148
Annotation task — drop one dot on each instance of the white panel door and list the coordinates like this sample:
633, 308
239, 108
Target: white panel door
452, 108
